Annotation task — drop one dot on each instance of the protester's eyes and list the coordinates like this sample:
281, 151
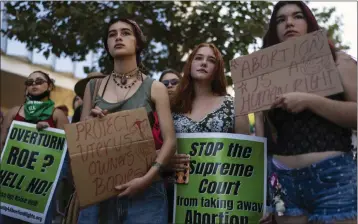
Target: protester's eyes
299, 16
198, 58
112, 34
212, 60
126, 33
279, 20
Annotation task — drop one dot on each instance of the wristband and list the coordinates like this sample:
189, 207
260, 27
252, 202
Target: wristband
156, 164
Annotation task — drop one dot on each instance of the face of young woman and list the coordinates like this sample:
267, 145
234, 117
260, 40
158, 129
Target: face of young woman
203, 64
171, 81
121, 40
36, 84
291, 22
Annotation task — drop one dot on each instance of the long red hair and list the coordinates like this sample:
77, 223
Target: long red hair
185, 93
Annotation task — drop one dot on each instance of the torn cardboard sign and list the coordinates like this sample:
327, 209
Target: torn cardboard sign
106, 152
301, 64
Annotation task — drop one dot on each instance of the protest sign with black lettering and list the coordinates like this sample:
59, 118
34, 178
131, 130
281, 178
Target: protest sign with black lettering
31, 163
300, 64
109, 151
227, 179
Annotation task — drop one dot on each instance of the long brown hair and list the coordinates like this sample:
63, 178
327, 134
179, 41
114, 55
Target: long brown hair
271, 37
185, 93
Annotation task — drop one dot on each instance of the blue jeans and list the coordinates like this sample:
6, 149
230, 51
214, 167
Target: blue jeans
324, 192
149, 207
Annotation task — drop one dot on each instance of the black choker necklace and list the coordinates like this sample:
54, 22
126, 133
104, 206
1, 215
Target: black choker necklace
123, 84
125, 76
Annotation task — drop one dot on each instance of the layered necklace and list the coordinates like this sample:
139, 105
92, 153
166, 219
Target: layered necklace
123, 78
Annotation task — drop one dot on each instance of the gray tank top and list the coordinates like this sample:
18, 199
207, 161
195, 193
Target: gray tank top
141, 98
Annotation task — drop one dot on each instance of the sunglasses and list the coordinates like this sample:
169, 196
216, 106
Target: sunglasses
30, 82
173, 82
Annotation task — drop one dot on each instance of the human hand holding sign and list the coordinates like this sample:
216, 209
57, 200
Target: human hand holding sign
179, 162
98, 112
134, 186
294, 102
42, 125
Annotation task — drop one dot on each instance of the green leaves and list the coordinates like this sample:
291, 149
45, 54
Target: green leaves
333, 27
173, 28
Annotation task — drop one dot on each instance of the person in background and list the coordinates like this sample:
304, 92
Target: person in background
170, 78
313, 177
77, 101
77, 110
42, 113
79, 90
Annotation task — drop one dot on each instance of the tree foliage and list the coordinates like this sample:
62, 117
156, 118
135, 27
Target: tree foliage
332, 27
75, 28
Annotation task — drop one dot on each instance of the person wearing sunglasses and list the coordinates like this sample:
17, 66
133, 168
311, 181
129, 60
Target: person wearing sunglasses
38, 109
170, 78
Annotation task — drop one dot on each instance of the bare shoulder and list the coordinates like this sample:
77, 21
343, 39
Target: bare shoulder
13, 111
158, 85
10, 115
344, 59
158, 91
346, 65
57, 113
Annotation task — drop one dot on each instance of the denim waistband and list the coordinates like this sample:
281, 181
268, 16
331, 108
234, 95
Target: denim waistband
343, 159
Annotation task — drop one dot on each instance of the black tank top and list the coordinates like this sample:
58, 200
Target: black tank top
307, 132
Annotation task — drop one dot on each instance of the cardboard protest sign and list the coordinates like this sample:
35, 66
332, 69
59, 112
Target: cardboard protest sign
31, 163
301, 64
106, 152
227, 179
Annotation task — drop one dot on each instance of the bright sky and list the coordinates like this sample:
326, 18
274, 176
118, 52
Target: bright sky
347, 11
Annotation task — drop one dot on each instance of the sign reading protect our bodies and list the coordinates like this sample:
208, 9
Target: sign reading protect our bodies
31, 162
227, 182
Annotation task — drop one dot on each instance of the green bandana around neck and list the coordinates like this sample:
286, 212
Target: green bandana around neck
38, 110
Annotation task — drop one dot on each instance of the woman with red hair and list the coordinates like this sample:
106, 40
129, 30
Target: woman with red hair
313, 177
201, 103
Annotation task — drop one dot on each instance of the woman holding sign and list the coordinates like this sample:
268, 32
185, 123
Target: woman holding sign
314, 175
38, 109
201, 103
143, 199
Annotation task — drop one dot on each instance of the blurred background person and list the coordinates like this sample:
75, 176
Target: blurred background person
42, 113
170, 78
